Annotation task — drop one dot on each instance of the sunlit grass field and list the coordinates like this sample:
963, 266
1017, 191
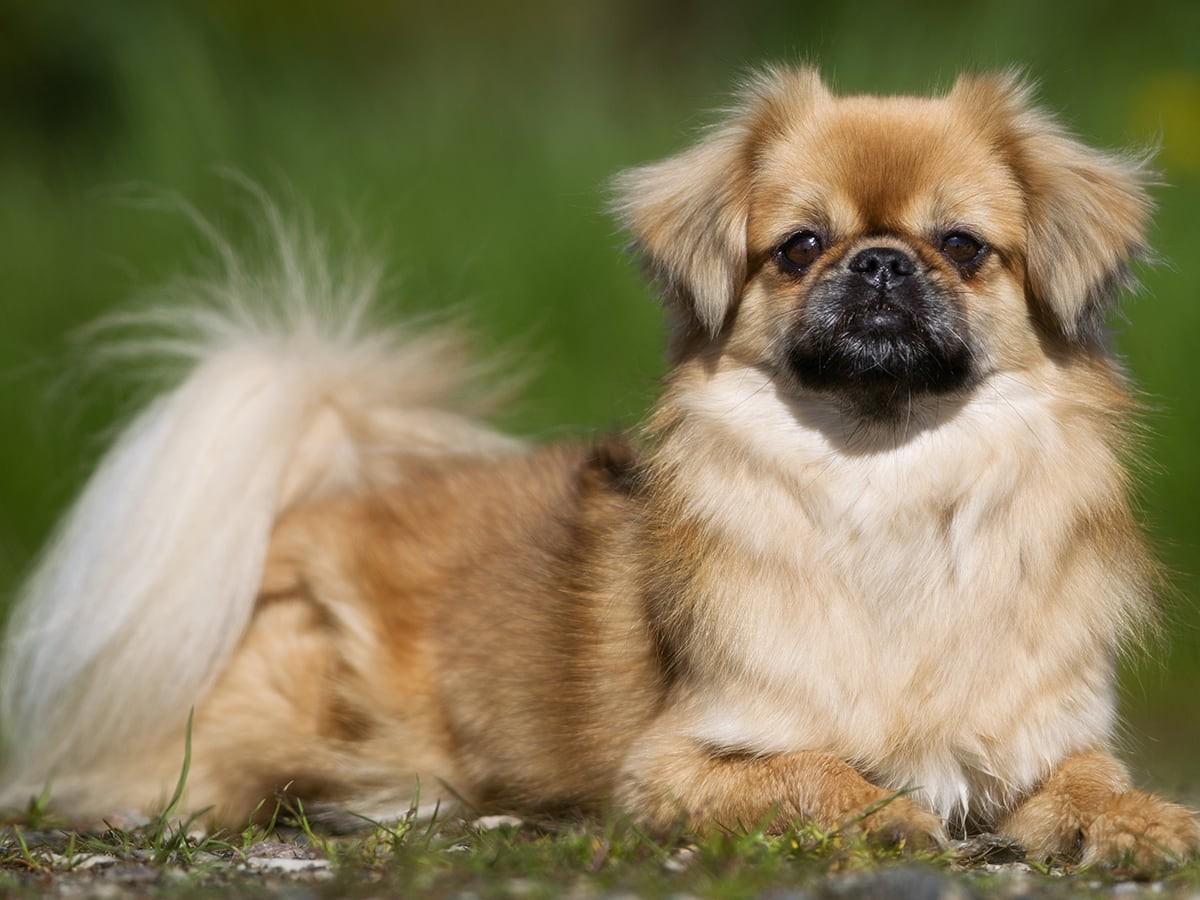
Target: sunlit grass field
468, 146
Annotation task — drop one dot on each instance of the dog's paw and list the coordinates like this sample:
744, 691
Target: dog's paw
1047, 826
1141, 831
899, 821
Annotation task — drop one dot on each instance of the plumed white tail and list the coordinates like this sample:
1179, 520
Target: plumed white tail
152, 576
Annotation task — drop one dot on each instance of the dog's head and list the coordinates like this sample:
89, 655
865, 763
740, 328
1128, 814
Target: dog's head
878, 248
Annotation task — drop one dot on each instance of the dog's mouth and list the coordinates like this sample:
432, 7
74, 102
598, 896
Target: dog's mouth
879, 345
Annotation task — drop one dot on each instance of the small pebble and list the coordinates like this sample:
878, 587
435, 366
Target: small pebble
490, 823
94, 860
680, 860
280, 850
282, 865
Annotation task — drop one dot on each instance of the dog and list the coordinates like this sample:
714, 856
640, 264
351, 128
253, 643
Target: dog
870, 561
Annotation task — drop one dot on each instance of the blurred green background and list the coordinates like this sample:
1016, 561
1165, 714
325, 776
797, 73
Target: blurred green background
470, 142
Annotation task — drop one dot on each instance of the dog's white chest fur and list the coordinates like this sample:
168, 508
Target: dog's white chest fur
893, 604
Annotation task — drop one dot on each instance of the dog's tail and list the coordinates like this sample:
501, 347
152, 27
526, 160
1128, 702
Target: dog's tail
151, 578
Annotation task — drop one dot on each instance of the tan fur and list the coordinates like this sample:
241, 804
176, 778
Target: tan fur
1087, 809
1087, 211
668, 782
768, 610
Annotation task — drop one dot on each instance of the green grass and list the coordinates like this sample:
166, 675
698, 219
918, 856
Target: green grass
458, 857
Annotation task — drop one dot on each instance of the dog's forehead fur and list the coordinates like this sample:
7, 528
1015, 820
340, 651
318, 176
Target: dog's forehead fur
874, 165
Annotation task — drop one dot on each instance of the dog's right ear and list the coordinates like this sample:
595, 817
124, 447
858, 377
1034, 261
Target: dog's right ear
688, 213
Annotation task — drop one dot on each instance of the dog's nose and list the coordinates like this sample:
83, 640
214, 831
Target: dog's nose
882, 267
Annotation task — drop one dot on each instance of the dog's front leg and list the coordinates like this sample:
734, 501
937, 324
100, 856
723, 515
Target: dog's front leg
672, 779
1086, 810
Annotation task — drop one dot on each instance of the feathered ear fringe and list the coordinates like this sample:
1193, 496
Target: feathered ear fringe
688, 214
289, 392
1088, 211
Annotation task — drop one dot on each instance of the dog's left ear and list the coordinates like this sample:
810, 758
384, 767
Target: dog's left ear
688, 213
1087, 211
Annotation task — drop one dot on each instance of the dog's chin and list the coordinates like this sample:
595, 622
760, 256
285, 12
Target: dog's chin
879, 366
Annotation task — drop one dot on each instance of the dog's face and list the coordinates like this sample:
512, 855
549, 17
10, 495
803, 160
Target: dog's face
875, 249
881, 241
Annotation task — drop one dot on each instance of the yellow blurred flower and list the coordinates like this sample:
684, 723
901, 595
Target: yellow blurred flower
1168, 105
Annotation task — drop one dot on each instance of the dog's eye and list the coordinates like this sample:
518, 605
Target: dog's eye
961, 248
800, 251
